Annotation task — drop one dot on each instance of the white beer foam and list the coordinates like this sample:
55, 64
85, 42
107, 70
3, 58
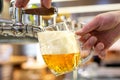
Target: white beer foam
57, 42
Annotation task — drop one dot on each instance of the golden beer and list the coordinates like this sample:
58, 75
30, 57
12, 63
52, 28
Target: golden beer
62, 63
60, 51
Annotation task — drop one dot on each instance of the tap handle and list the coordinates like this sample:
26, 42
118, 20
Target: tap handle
41, 11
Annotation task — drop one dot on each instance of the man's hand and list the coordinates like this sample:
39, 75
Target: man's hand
101, 32
23, 3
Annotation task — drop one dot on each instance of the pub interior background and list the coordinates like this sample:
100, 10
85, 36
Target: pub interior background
24, 61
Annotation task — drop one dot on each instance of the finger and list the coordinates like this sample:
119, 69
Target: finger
21, 3
90, 43
99, 49
46, 3
92, 25
85, 37
102, 54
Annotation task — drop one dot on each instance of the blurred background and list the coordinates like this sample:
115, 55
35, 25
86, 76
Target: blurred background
24, 61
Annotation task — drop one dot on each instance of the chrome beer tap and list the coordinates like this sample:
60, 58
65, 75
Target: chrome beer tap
17, 31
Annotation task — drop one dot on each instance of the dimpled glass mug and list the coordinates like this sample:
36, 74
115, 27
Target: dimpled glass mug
60, 49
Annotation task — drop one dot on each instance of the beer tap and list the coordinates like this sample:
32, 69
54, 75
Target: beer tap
16, 30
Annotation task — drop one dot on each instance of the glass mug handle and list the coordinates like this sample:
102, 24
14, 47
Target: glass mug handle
83, 61
91, 53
